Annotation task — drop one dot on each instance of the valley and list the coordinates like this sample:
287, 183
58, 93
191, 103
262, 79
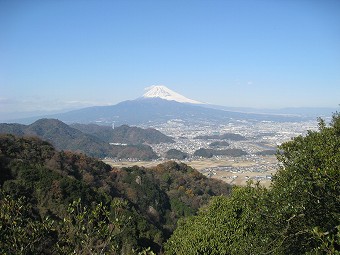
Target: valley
260, 142
229, 170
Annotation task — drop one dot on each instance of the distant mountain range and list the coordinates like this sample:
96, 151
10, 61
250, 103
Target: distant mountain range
148, 111
303, 112
160, 104
92, 139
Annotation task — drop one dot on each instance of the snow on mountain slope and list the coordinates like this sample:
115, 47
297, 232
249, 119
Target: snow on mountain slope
159, 91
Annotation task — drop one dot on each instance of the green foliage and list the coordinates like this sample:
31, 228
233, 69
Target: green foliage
50, 180
167, 192
299, 214
104, 133
186, 188
226, 226
146, 251
146, 202
123, 134
136, 135
94, 230
180, 208
21, 230
329, 241
141, 151
308, 185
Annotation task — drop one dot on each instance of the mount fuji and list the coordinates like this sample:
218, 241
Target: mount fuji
158, 105
160, 91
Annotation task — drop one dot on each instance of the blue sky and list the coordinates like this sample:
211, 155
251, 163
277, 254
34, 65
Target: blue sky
260, 53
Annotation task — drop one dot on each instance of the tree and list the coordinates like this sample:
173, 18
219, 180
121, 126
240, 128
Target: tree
20, 231
307, 188
298, 214
227, 226
95, 230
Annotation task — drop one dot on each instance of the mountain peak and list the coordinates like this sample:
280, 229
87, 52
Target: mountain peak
160, 91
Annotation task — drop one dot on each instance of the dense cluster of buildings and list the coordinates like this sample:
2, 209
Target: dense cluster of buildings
259, 137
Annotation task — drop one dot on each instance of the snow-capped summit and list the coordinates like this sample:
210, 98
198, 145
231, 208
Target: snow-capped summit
160, 91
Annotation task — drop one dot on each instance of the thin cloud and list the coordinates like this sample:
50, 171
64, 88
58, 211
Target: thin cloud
43, 104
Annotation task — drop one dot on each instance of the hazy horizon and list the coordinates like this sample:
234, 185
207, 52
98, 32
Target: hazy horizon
60, 55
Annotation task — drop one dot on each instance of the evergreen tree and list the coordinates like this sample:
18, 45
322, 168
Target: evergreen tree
298, 214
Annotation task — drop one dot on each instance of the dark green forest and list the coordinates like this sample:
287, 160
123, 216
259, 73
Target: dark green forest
176, 154
124, 134
60, 202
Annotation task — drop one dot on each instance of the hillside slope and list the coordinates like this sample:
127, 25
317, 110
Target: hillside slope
64, 137
150, 201
124, 134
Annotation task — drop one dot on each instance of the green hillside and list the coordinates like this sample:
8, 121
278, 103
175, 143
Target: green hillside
53, 201
124, 134
176, 154
67, 138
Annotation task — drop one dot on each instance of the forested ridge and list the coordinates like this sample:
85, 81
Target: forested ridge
91, 139
60, 202
124, 134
